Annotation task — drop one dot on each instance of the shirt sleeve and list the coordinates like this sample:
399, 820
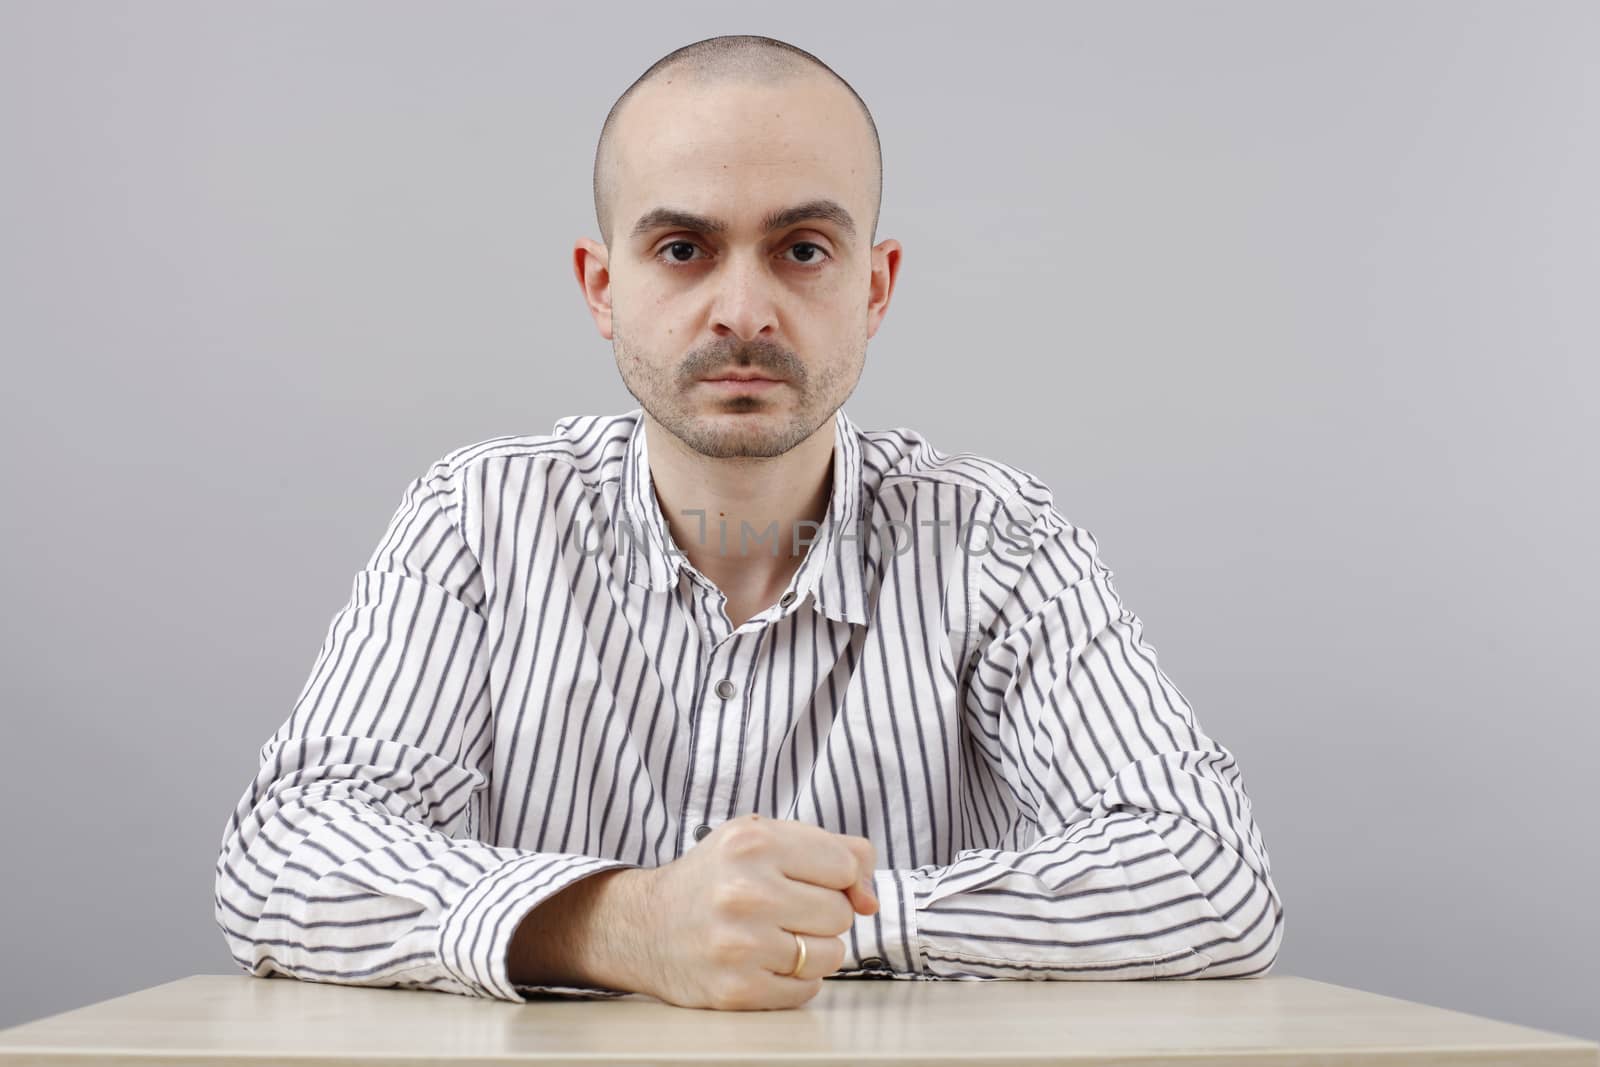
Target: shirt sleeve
1131, 850
352, 857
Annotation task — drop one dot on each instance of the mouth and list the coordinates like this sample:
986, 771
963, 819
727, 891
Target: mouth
740, 384
739, 376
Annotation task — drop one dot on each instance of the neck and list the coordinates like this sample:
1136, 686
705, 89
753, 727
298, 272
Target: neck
708, 501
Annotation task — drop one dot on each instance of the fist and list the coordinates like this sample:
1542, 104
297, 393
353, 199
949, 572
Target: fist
723, 917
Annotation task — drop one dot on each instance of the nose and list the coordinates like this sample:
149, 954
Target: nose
744, 303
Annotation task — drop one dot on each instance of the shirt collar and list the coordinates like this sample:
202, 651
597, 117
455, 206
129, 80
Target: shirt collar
833, 567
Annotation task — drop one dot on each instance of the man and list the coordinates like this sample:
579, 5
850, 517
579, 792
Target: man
724, 695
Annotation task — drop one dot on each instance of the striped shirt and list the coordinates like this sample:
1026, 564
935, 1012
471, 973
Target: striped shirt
530, 684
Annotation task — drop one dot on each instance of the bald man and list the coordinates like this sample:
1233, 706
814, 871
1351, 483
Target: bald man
566, 740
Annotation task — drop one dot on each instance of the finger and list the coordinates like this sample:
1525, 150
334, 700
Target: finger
866, 855
811, 909
863, 898
863, 893
761, 990
811, 854
823, 955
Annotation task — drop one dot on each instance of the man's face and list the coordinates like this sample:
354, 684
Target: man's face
689, 303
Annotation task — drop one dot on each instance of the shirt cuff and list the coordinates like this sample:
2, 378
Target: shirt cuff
886, 942
475, 936
567, 991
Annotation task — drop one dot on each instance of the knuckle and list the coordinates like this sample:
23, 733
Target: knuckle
744, 839
727, 947
853, 863
736, 897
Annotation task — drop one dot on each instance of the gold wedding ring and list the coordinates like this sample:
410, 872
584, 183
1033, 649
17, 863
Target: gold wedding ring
800, 942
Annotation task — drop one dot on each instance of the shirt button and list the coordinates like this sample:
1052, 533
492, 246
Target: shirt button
725, 689
874, 963
786, 599
972, 660
701, 831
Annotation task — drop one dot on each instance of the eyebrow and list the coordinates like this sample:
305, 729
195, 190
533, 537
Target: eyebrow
823, 209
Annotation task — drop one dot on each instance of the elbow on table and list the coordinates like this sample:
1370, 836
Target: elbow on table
1252, 935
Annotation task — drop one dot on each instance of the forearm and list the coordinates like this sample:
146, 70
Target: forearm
591, 934
1139, 856
1122, 896
312, 883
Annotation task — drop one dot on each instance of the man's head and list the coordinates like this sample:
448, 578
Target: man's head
707, 268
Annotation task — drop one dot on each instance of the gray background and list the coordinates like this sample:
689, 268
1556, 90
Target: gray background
1285, 301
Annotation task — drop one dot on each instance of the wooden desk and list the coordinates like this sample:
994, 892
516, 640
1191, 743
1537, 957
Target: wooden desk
236, 1019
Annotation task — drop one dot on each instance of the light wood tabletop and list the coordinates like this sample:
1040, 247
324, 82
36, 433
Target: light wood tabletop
237, 1019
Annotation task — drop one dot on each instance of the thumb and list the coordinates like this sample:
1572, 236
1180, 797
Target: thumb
866, 863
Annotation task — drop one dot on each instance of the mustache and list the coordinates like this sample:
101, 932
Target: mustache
758, 357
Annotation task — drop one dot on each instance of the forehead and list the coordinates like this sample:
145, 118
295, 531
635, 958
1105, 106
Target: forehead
734, 149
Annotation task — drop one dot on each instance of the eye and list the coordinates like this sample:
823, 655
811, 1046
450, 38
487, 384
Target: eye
679, 252
815, 250
667, 250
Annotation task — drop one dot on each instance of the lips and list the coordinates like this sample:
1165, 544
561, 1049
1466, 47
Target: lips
740, 386
741, 378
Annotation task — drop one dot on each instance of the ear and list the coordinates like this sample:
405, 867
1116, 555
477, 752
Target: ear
885, 269
591, 261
